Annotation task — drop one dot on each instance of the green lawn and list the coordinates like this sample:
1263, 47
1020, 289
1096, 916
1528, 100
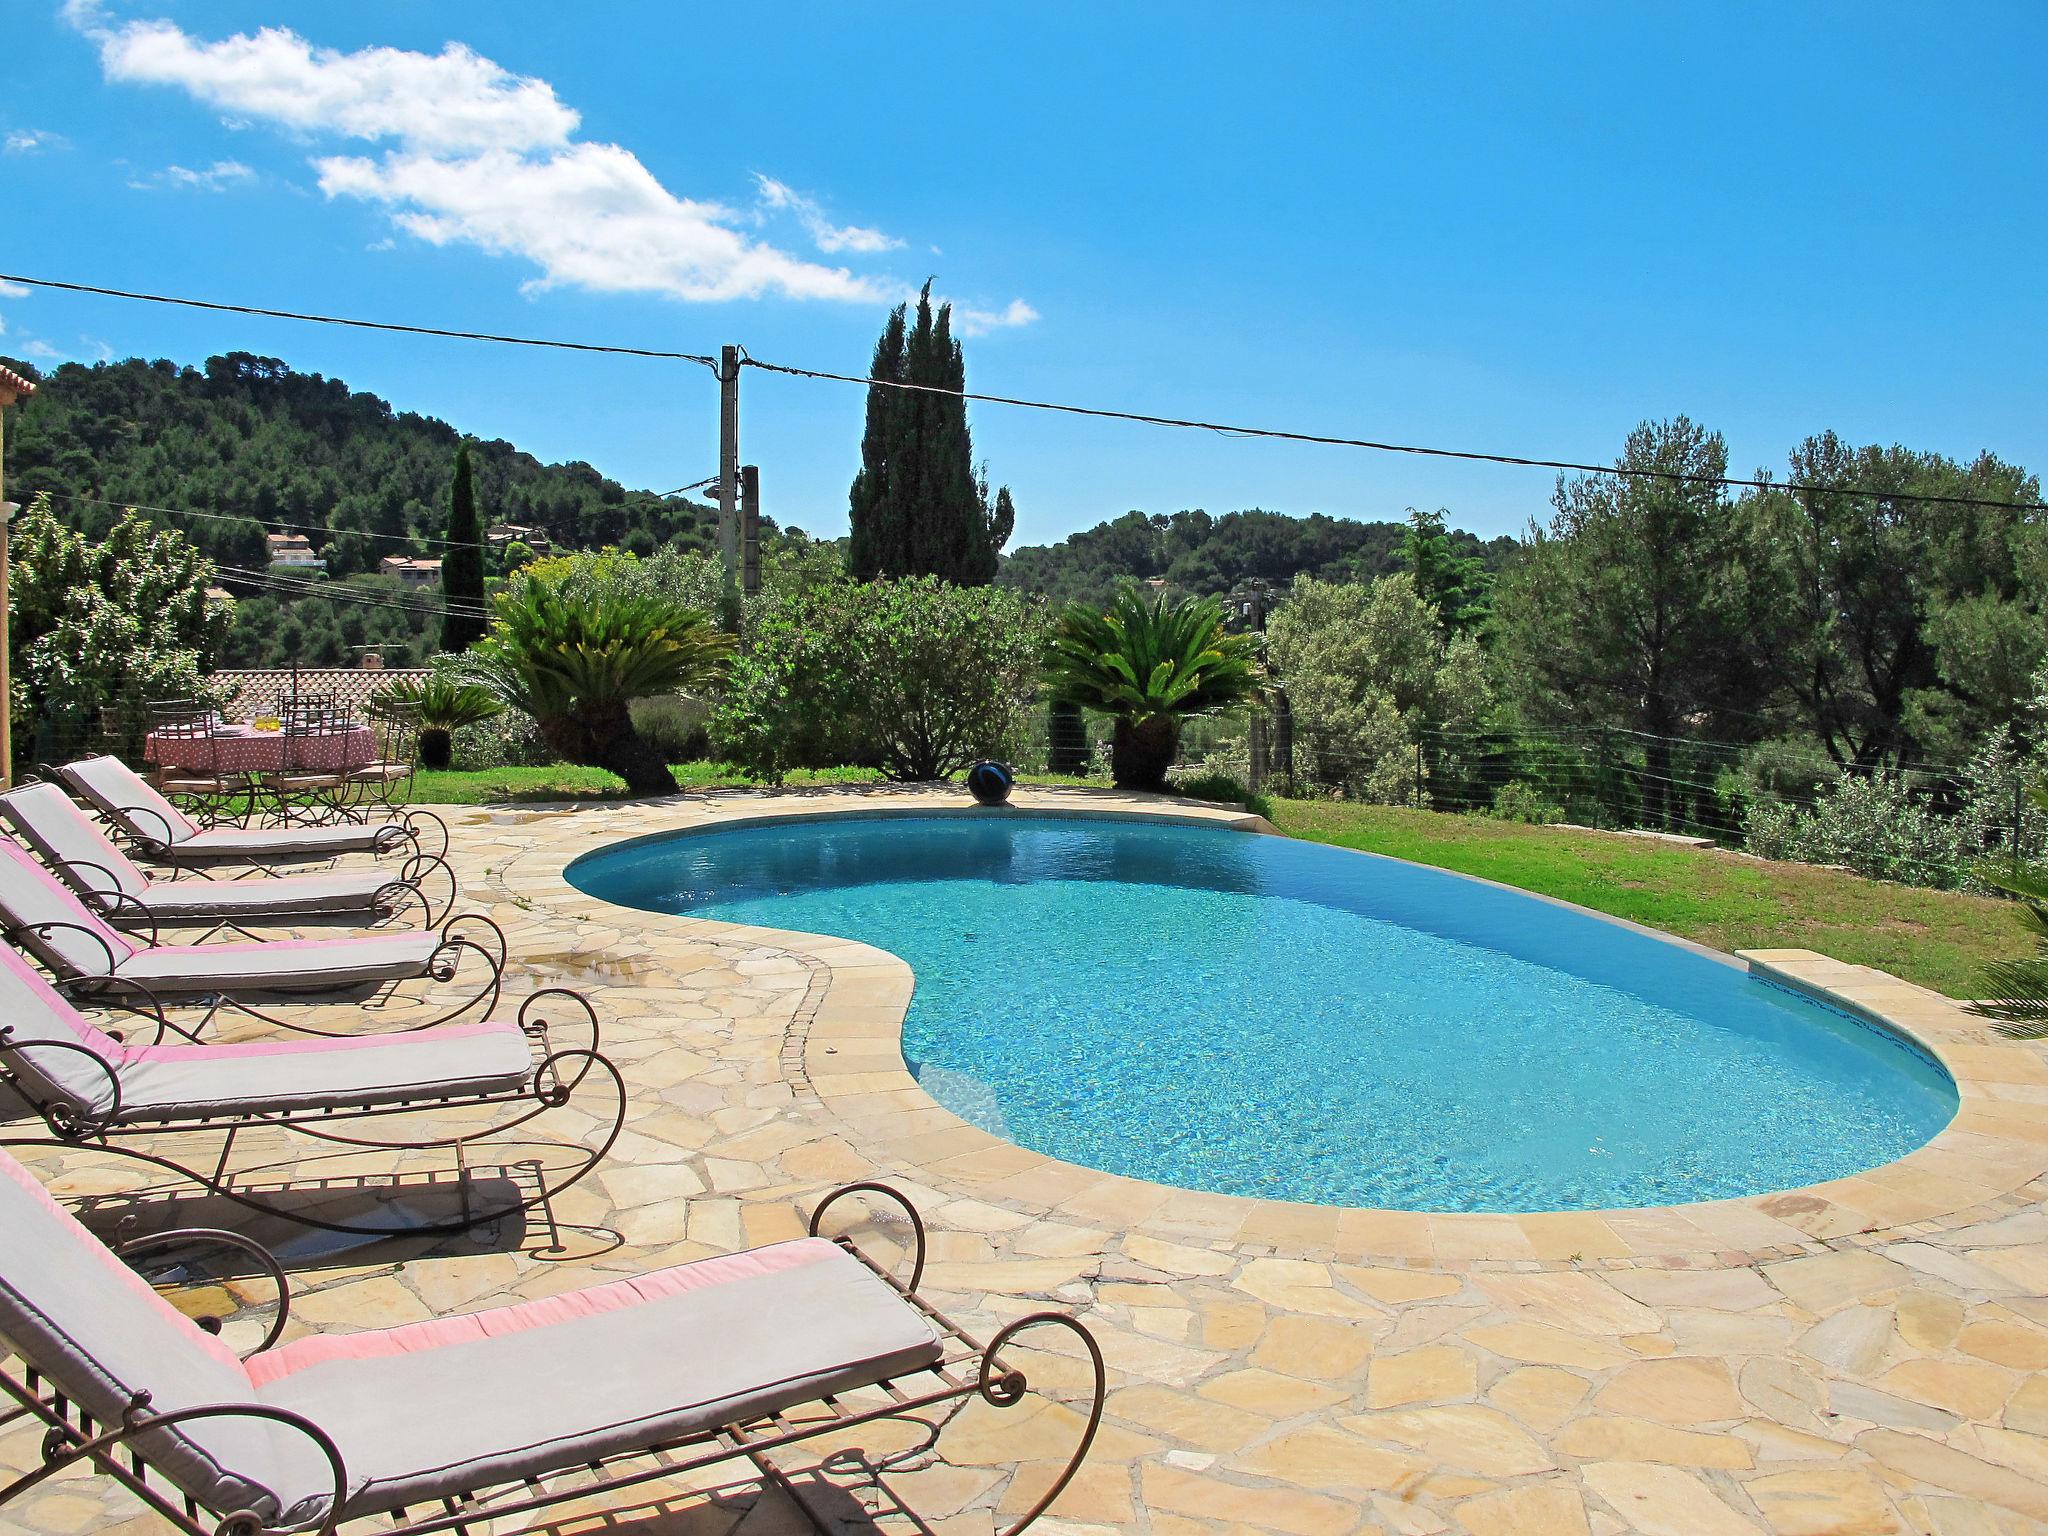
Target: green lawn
1936, 938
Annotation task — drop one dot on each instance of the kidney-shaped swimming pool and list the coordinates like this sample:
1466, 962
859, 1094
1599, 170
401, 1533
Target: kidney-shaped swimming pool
1259, 1016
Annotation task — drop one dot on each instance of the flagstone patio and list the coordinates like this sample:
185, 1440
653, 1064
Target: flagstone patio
1866, 1356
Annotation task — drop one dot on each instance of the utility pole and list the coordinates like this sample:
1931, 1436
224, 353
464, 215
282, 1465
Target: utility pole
750, 529
13, 390
729, 461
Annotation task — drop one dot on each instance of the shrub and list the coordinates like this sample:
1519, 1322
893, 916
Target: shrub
510, 740
99, 626
915, 676
1872, 824
1521, 801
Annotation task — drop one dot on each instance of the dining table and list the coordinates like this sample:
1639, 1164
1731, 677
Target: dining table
248, 748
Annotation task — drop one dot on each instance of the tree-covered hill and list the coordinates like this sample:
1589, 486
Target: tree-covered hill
1198, 552
248, 438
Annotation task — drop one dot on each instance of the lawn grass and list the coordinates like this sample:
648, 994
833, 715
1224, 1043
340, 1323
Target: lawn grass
1939, 939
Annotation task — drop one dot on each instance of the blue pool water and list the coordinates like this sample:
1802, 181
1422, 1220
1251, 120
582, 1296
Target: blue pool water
1259, 1016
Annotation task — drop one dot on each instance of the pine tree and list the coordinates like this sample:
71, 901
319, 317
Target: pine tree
462, 566
918, 507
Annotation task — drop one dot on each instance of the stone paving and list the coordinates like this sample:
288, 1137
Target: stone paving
1865, 1356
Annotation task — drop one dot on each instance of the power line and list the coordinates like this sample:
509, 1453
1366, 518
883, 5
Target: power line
265, 522
1469, 455
363, 325
1277, 434
340, 594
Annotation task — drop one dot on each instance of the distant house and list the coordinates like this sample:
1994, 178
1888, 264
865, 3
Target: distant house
414, 573
499, 535
294, 549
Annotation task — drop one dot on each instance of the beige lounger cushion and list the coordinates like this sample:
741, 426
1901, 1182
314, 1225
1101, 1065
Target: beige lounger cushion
296, 965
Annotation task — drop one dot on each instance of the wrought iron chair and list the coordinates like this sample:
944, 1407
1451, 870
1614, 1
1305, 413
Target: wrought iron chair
451, 1424
183, 735
387, 779
321, 756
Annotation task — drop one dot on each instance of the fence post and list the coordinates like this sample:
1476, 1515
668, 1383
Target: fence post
1607, 805
1418, 773
1256, 772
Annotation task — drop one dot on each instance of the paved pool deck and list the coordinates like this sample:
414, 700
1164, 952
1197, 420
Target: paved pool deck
1868, 1355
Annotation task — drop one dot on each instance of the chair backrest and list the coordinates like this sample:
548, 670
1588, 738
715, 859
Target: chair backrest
83, 944
45, 818
115, 789
100, 1335
187, 743
41, 1029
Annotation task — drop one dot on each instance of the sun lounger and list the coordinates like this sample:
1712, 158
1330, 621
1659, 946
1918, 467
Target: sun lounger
161, 831
448, 1424
64, 1080
108, 881
93, 958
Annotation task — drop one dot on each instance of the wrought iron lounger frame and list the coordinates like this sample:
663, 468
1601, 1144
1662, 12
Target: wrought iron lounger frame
419, 866
386, 903
559, 1072
968, 1369
124, 910
403, 830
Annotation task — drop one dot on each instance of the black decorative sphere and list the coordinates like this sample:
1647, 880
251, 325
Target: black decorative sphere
991, 783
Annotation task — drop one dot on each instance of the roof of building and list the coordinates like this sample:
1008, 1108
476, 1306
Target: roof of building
12, 383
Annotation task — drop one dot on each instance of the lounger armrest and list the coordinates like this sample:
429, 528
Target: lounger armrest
131, 996
135, 820
105, 895
138, 1421
216, 1237
887, 1192
65, 1122
20, 931
534, 1020
490, 941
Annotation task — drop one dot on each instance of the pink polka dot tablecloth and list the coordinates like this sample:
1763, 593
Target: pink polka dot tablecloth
244, 749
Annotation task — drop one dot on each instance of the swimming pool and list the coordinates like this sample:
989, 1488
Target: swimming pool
1258, 1016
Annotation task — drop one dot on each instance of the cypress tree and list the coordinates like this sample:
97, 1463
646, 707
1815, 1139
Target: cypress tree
462, 565
917, 506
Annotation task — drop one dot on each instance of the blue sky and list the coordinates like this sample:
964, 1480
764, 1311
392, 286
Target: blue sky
1509, 227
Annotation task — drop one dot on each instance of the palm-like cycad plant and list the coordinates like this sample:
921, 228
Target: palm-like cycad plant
1149, 665
576, 662
443, 703
2020, 987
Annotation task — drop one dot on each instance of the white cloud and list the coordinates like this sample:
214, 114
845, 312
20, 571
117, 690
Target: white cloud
454, 101
474, 155
829, 237
43, 350
590, 215
979, 322
32, 141
13, 291
217, 177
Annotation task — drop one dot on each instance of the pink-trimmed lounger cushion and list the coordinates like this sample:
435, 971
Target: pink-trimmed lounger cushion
283, 965
173, 1082
437, 1407
444, 1406
117, 791
45, 818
